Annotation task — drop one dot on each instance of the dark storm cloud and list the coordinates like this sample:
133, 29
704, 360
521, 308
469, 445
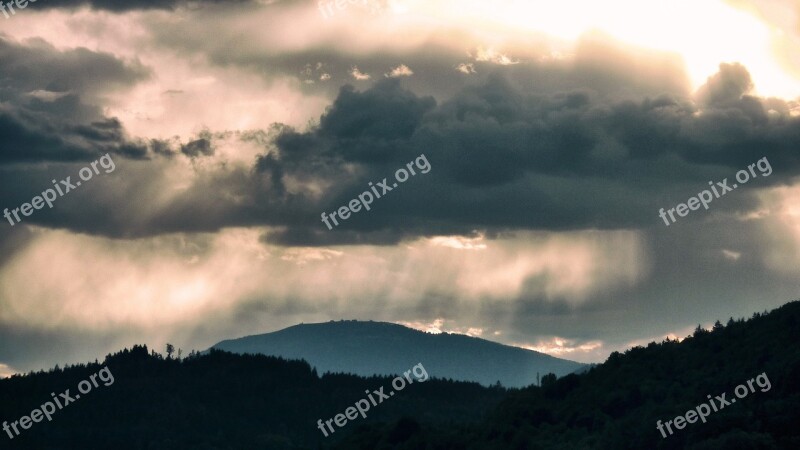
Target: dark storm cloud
198, 147
308, 236
503, 158
51, 110
727, 87
603, 142
35, 64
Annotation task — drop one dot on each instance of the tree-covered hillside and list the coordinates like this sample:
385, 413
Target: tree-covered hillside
217, 401
226, 401
616, 405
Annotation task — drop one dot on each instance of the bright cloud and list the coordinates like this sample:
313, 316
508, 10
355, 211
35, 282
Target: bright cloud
99, 284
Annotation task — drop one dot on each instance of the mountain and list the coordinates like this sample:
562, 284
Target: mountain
368, 348
745, 373
224, 401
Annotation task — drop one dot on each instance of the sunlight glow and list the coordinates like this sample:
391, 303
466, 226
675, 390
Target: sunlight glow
681, 27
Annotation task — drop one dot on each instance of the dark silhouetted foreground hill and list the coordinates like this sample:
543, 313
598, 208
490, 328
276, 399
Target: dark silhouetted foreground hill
217, 401
616, 405
227, 401
368, 348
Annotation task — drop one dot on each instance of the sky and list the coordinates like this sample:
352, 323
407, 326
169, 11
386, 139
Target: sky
555, 133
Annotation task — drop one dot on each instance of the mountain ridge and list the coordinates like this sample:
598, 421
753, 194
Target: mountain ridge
371, 347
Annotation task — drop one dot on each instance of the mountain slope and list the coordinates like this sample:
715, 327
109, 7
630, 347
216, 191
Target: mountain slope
618, 404
367, 348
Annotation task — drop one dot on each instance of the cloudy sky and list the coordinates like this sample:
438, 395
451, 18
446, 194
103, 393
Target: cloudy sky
555, 132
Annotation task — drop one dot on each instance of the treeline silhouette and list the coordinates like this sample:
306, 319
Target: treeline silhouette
218, 400
615, 405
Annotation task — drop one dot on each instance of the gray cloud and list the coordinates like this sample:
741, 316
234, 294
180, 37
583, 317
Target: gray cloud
609, 68
52, 106
601, 138
506, 159
198, 147
503, 158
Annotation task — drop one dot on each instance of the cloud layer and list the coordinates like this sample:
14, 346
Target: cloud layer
537, 225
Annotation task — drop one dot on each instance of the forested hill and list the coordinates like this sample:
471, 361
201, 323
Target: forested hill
368, 348
217, 400
616, 405
226, 401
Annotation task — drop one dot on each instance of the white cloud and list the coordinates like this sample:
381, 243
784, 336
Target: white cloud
466, 68
434, 327
732, 255
101, 284
493, 56
358, 75
400, 71
438, 326
679, 335
305, 255
6, 371
459, 242
566, 348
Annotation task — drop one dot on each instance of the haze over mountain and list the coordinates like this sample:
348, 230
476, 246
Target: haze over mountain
368, 348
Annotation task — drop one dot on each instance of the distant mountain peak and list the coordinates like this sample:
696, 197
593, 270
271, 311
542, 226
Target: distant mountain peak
370, 347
